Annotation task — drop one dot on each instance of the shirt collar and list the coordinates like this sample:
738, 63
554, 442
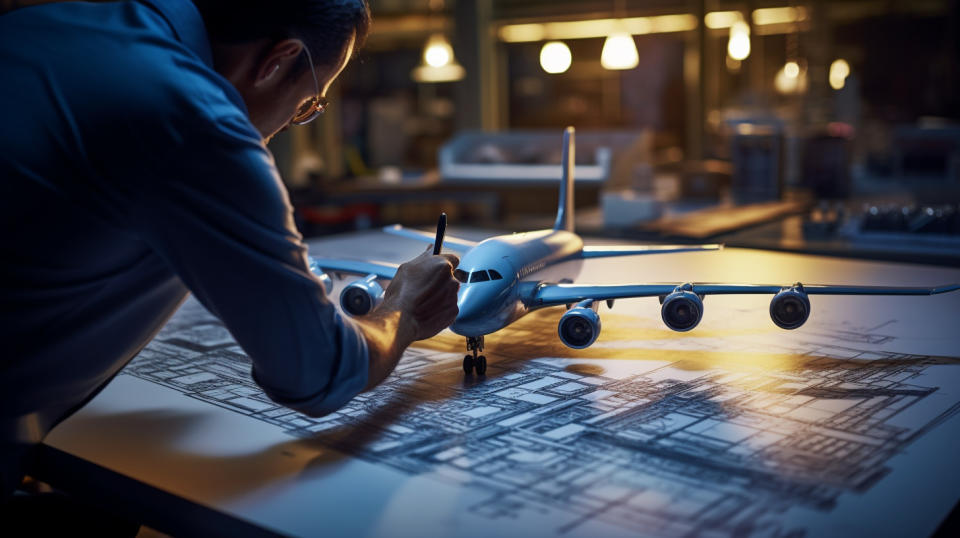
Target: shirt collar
187, 24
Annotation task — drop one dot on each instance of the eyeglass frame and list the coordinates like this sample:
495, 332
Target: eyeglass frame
317, 104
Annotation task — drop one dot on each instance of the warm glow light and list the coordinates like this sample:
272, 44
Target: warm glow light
619, 52
680, 22
439, 64
791, 79
839, 71
670, 23
739, 45
448, 73
718, 20
594, 28
438, 51
721, 19
521, 33
555, 57
779, 15
791, 69
579, 29
733, 65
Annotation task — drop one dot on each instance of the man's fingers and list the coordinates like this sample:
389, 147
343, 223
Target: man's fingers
454, 289
450, 315
439, 272
452, 258
441, 319
440, 298
439, 294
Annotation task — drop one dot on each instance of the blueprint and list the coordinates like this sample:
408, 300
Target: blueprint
648, 432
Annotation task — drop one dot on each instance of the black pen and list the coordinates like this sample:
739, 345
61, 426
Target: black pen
441, 229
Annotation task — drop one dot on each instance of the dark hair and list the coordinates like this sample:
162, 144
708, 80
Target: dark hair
325, 26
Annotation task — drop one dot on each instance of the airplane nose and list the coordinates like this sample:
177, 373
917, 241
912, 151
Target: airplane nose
483, 309
469, 310
470, 320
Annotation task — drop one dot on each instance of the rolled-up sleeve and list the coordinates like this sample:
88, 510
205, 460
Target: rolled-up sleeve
204, 193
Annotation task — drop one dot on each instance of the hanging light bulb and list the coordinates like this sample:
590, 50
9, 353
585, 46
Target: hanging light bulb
437, 52
839, 71
555, 57
619, 52
439, 63
791, 69
738, 47
791, 79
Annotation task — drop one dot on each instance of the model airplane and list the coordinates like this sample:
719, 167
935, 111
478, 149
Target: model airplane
506, 277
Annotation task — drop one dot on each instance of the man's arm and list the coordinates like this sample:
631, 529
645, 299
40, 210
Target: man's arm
206, 197
420, 301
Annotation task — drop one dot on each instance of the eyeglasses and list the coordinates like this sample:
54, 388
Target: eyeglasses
314, 106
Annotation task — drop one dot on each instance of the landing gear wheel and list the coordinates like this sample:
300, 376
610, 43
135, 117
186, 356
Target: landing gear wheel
474, 346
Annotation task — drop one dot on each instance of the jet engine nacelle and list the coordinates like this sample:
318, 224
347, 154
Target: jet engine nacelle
790, 308
682, 309
579, 327
362, 296
324, 277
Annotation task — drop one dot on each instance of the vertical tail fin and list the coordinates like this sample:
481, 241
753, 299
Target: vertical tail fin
565, 209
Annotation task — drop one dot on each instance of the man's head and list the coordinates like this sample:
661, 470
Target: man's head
262, 47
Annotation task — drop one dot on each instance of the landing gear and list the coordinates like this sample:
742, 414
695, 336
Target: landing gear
471, 362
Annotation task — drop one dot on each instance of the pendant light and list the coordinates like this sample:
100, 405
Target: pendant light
438, 64
738, 46
555, 57
619, 49
619, 52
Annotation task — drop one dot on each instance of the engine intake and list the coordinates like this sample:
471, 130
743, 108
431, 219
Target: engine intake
790, 308
682, 309
362, 296
579, 327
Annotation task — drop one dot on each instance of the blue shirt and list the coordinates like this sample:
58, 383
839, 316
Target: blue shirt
130, 174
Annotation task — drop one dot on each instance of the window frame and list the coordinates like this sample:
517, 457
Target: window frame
486, 276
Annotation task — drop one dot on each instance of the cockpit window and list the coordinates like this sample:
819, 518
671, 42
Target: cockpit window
495, 275
460, 275
479, 276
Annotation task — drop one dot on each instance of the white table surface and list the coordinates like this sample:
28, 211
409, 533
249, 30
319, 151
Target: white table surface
721, 449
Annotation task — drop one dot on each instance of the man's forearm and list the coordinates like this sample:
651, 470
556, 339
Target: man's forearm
420, 301
388, 332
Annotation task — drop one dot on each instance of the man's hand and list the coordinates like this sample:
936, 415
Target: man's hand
420, 301
425, 293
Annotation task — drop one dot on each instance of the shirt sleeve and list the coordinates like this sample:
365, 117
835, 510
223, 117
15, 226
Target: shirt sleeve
204, 193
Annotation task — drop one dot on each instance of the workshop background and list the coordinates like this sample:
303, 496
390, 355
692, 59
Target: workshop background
824, 126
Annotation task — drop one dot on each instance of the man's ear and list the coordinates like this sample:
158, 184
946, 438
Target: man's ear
278, 60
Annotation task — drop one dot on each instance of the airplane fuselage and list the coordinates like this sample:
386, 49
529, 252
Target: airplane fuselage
494, 276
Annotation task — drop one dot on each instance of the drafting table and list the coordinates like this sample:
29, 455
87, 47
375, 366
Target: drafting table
846, 426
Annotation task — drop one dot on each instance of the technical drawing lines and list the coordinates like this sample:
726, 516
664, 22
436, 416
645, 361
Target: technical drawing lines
661, 448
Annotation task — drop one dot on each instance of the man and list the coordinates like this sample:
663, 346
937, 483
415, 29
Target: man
133, 171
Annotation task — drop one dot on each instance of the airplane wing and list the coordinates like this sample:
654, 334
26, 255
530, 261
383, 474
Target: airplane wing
631, 250
336, 265
453, 243
557, 294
